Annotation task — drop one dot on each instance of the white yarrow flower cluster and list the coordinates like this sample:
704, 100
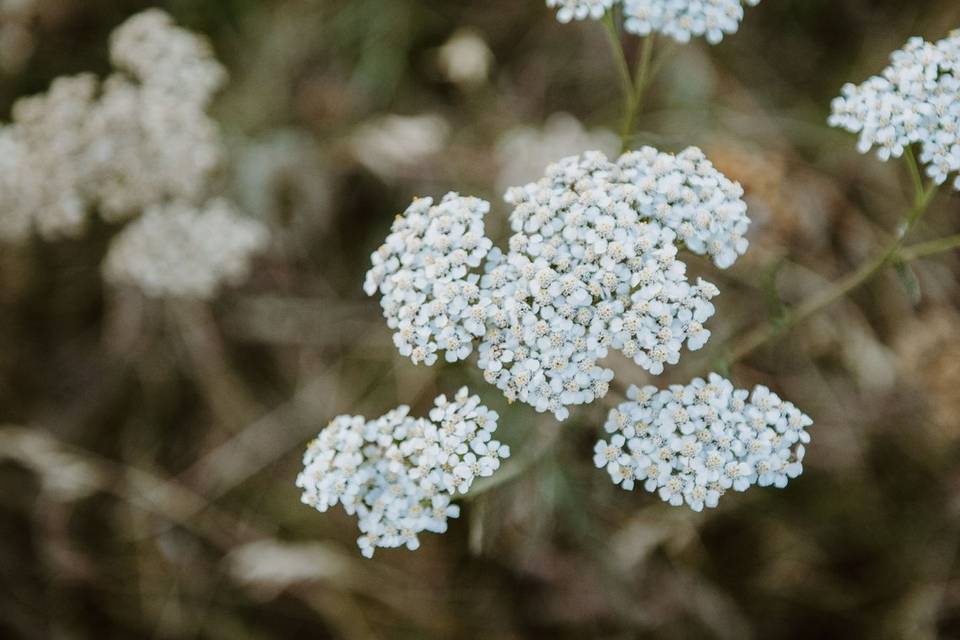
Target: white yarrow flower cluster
592, 266
690, 444
568, 10
678, 19
177, 250
166, 58
399, 474
140, 137
423, 273
687, 194
685, 19
141, 140
44, 182
916, 100
152, 137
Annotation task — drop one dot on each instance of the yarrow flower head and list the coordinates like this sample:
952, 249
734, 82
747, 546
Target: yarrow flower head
399, 474
915, 100
592, 266
690, 444
685, 19
678, 19
423, 273
568, 10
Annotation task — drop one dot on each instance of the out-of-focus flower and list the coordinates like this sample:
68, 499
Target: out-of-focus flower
45, 183
145, 139
391, 144
270, 566
178, 250
140, 141
916, 100
151, 137
690, 444
523, 152
398, 474
166, 58
281, 179
465, 58
568, 10
592, 266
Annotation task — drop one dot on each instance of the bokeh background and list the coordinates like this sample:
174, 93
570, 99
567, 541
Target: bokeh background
147, 465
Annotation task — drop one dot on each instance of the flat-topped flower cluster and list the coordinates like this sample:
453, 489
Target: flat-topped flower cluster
399, 474
592, 266
690, 444
140, 139
915, 100
678, 19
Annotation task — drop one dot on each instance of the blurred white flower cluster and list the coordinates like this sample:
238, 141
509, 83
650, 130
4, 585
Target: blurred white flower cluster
151, 137
465, 58
141, 139
916, 100
690, 444
678, 19
592, 266
523, 152
178, 250
392, 146
44, 162
568, 10
398, 474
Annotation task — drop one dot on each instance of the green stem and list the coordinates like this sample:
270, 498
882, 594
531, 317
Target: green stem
639, 89
915, 173
929, 248
620, 59
753, 340
633, 88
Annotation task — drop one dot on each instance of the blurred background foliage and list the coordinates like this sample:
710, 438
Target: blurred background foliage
146, 477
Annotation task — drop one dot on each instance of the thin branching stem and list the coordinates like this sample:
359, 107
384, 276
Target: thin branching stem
643, 76
929, 248
633, 86
915, 173
620, 60
893, 250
